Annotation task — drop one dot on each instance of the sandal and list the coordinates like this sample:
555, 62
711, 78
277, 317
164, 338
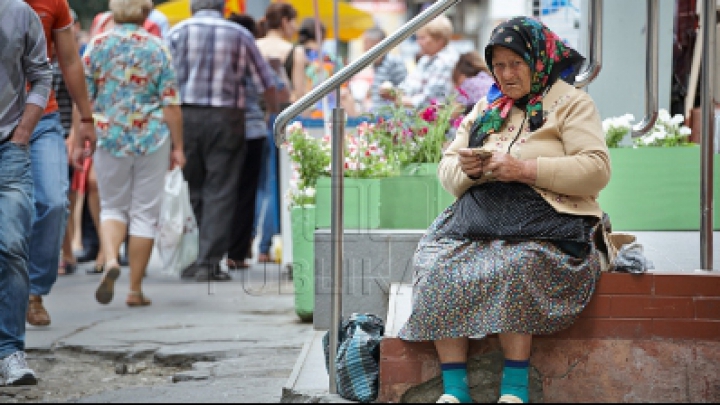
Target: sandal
106, 289
97, 269
137, 299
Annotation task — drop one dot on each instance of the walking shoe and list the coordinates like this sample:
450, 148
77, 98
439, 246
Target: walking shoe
14, 370
106, 289
36, 313
211, 275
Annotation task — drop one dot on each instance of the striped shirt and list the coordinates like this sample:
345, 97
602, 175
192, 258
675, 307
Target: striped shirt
19, 65
390, 69
64, 101
212, 57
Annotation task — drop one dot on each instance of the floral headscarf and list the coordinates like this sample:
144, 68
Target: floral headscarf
549, 59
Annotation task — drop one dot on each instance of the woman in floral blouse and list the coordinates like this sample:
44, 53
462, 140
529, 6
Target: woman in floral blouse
139, 129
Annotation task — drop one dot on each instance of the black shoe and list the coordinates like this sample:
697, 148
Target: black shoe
190, 271
204, 275
123, 260
87, 255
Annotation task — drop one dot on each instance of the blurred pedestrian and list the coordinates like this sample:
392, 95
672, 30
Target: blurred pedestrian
255, 134
289, 62
24, 61
432, 78
214, 107
49, 156
280, 26
472, 80
139, 123
104, 22
386, 69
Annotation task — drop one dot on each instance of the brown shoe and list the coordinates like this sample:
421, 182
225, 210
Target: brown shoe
36, 314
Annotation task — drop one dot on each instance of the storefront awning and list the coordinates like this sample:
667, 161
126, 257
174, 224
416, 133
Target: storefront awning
353, 21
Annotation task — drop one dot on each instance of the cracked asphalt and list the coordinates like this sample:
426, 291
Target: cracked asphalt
198, 342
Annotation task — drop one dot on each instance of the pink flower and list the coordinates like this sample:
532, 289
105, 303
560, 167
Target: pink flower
429, 115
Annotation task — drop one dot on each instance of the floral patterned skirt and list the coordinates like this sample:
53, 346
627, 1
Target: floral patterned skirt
473, 288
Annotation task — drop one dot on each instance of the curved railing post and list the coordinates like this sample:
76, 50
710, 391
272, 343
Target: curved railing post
595, 25
651, 72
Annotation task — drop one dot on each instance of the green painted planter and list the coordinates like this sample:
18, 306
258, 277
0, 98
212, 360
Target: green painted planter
302, 221
361, 203
410, 200
655, 189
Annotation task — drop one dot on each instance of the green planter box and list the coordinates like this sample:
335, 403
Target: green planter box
302, 221
361, 203
410, 200
655, 189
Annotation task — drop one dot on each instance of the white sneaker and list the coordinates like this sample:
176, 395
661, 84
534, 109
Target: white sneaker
447, 399
509, 399
14, 370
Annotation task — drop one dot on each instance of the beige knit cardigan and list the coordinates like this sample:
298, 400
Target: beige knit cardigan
573, 163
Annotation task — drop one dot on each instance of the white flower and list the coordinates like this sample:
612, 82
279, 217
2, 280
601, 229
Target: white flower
677, 119
310, 192
663, 115
685, 131
387, 85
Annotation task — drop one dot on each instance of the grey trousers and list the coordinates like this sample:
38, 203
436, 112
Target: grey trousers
214, 139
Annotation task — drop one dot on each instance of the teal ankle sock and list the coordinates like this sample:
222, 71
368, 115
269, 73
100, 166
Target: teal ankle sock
515, 379
455, 381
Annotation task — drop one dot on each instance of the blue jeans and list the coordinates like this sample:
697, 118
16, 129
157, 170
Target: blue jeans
16, 216
49, 172
268, 193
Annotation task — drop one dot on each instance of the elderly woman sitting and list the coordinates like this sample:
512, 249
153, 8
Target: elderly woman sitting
138, 122
515, 255
432, 78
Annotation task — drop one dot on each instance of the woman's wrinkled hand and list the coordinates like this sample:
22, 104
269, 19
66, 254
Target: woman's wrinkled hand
504, 167
470, 163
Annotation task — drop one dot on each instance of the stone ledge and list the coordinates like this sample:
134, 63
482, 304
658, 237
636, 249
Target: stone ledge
583, 370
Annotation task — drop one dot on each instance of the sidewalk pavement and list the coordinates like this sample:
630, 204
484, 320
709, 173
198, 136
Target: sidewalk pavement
243, 337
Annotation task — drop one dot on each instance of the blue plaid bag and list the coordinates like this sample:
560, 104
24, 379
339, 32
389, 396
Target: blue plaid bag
358, 357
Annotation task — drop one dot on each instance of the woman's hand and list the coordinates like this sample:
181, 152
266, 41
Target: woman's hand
504, 167
470, 163
177, 158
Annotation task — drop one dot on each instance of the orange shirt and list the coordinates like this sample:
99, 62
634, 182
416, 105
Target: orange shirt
55, 16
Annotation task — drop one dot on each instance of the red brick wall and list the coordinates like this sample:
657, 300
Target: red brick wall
669, 319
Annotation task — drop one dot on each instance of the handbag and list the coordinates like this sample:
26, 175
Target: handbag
358, 357
515, 211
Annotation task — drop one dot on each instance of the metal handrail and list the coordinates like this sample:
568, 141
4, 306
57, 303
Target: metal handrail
707, 134
595, 24
651, 72
354, 68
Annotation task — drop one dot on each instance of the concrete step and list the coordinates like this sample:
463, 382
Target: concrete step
309, 381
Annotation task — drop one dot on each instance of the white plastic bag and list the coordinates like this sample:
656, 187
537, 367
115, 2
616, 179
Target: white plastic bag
178, 238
